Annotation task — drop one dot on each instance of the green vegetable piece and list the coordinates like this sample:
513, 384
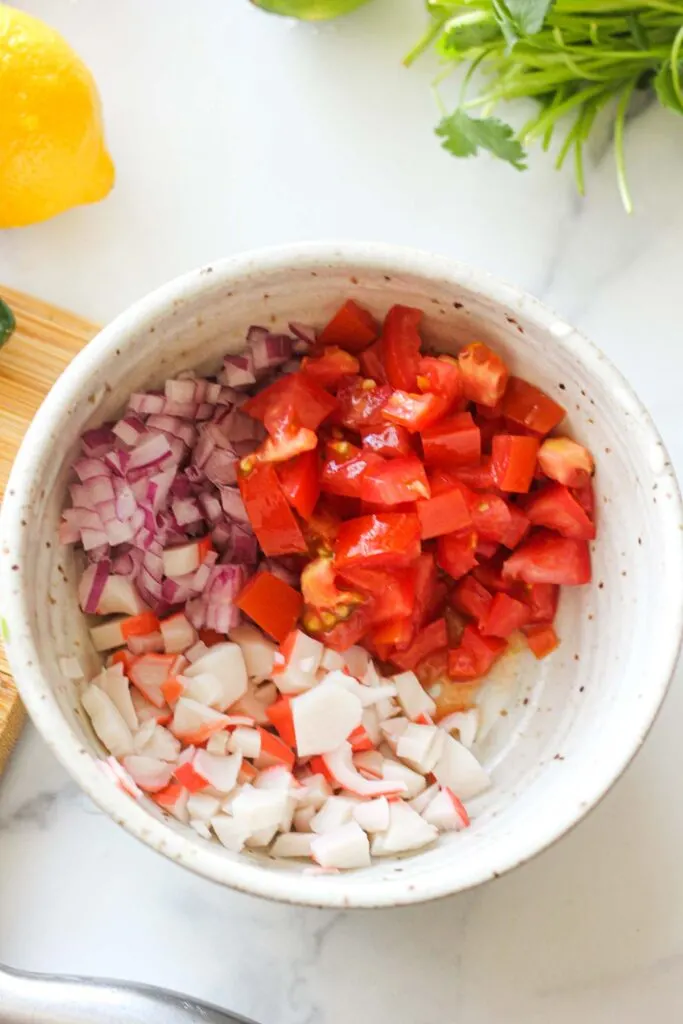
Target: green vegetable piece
7, 322
464, 136
519, 18
666, 91
309, 10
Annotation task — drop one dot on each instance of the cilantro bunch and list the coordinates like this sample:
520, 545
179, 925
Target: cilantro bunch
574, 57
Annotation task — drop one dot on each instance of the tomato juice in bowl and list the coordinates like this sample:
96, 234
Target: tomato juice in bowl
586, 702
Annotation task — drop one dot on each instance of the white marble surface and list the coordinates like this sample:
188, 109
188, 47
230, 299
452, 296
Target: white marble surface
232, 130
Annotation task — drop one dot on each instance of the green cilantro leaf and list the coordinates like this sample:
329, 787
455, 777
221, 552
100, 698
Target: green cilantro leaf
7, 322
464, 136
4, 629
664, 87
519, 18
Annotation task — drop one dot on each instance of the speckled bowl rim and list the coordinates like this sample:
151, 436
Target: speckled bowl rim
245, 875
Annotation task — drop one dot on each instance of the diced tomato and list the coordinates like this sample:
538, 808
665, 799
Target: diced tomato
432, 638
446, 513
514, 461
370, 508
293, 398
442, 480
440, 375
300, 482
394, 633
541, 599
486, 548
488, 429
455, 441
401, 346
395, 481
345, 467
415, 412
479, 477
490, 516
433, 669
542, 640
564, 460
272, 520
279, 715
330, 367
393, 590
271, 603
319, 587
436, 605
345, 632
455, 625
289, 442
389, 440
484, 374
497, 520
585, 495
475, 656
472, 598
517, 528
556, 507
548, 558
322, 528
361, 402
371, 364
426, 595
344, 506
506, 614
490, 575
351, 327
385, 539
527, 405
455, 552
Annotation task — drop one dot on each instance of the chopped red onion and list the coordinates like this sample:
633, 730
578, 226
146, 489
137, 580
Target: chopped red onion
117, 462
181, 390
150, 483
243, 546
92, 584
87, 468
221, 467
186, 511
233, 506
146, 404
268, 350
99, 441
129, 429
303, 332
238, 371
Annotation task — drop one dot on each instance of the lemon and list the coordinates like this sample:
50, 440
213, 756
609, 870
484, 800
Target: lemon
309, 10
52, 151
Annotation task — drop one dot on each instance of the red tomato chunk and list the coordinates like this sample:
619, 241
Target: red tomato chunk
432, 514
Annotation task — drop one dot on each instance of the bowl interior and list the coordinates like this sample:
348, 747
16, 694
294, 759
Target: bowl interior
563, 729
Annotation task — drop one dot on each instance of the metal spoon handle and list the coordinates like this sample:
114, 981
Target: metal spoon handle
49, 999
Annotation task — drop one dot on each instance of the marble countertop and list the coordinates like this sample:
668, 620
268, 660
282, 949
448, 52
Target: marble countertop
232, 130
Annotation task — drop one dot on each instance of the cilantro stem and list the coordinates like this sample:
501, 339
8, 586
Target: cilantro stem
675, 70
432, 33
619, 124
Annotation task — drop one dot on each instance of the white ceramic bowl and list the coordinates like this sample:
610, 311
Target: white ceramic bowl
574, 721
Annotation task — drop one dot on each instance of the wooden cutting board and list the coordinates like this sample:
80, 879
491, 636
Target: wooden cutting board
45, 341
